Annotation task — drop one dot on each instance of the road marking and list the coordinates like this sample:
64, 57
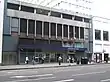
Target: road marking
25, 80
67, 70
105, 80
65, 80
31, 76
89, 73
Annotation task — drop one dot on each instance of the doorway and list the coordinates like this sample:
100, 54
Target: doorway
98, 57
106, 58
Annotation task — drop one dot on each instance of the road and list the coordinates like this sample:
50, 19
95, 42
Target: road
86, 73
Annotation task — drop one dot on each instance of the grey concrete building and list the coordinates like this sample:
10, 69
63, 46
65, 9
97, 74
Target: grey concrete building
32, 30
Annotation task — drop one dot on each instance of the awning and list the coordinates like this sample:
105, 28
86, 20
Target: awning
44, 47
50, 48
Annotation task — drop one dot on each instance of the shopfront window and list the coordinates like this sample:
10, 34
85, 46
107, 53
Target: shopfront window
98, 34
105, 35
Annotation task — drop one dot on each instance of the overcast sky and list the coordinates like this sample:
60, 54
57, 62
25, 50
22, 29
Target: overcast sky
101, 8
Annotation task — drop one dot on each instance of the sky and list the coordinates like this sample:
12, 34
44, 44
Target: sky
101, 8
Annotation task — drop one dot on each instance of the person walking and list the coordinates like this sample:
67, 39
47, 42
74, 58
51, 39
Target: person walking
33, 60
27, 60
59, 60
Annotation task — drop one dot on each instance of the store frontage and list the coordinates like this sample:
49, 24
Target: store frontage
49, 53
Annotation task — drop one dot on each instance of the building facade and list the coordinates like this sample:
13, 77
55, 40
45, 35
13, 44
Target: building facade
101, 39
32, 30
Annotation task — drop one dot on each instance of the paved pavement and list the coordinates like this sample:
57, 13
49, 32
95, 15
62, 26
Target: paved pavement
37, 66
50, 65
86, 73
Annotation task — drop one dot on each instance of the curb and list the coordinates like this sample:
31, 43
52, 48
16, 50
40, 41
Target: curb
51, 67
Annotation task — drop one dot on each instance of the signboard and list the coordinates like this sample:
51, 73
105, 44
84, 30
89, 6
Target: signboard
1, 26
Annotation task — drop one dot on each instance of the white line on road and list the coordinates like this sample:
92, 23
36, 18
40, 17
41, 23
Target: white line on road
89, 73
31, 76
105, 80
65, 80
25, 80
67, 70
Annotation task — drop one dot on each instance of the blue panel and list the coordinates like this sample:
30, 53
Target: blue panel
10, 43
6, 28
48, 47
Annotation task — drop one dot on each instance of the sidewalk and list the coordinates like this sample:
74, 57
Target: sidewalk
37, 66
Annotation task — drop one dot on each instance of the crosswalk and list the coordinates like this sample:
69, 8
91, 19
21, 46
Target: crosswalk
29, 78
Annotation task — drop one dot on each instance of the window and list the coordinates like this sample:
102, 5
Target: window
26, 41
71, 33
86, 20
59, 29
105, 35
37, 41
76, 32
39, 27
77, 18
46, 28
53, 29
97, 34
27, 9
23, 25
14, 24
79, 45
66, 16
31, 26
55, 42
81, 33
12, 6
42, 11
86, 33
55, 14
65, 30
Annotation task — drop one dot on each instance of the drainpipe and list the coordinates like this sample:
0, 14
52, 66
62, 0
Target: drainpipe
90, 31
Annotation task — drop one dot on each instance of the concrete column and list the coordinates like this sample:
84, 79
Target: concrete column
74, 32
83, 19
42, 28
73, 17
56, 30
19, 27
1, 27
79, 33
68, 32
35, 11
62, 32
61, 15
27, 27
20, 6
49, 30
84, 33
102, 57
10, 24
35, 29
101, 35
19, 56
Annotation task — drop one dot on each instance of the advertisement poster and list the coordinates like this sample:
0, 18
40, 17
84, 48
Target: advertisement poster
1, 27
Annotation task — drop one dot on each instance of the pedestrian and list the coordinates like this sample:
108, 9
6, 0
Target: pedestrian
106, 59
72, 60
33, 60
59, 60
69, 60
42, 60
27, 60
